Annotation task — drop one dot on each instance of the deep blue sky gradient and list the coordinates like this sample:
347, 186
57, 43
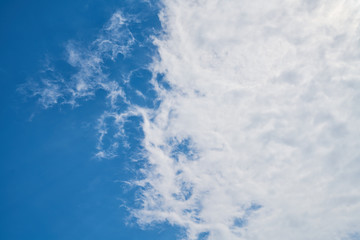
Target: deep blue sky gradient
51, 185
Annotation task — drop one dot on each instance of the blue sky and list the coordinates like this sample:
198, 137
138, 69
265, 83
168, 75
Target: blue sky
180, 119
52, 187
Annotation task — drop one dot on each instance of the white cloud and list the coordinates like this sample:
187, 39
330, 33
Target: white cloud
89, 67
265, 94
88, 64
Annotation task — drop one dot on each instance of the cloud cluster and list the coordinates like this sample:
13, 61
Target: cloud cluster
258, 136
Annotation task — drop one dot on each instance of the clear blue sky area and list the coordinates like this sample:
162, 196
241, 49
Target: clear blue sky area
51, 186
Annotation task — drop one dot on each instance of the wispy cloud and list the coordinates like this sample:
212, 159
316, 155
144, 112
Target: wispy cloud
88, 74
88, 65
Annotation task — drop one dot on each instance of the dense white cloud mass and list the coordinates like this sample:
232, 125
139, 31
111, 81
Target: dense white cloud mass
258, 137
